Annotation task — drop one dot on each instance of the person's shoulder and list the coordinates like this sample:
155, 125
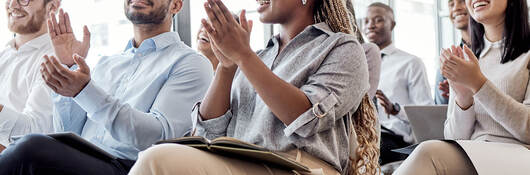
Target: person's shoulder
339, 37
370, 47
409, 57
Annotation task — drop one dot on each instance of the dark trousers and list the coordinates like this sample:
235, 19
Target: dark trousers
37, 154
390, 141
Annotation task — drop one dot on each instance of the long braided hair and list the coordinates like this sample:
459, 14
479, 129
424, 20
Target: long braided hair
335, 14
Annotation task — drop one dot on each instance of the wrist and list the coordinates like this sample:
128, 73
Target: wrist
223, 69
1, 108
464, 102
396, 108
242, 58
478, 83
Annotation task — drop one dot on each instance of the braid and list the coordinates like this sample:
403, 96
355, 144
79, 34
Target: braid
356, 30
364, 122
335, 14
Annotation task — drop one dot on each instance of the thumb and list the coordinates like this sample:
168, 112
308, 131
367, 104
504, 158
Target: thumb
470, 54
250, 25
86, 36
82, 66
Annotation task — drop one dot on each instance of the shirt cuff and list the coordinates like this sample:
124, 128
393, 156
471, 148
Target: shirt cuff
212, 128
91, 99
306, 123
8, 119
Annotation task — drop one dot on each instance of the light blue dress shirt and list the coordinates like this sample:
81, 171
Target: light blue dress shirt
138, 97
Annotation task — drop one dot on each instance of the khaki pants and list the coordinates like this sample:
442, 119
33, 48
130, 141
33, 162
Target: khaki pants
170, 159
437, 157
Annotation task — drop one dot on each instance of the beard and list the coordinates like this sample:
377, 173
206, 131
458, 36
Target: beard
156, 16
32, 26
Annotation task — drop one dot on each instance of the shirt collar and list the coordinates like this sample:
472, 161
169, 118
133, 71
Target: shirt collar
321, 27
35, 43
488, 45
388, 50
155, 43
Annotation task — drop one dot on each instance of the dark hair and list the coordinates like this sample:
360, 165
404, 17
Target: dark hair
384, 6
516, 32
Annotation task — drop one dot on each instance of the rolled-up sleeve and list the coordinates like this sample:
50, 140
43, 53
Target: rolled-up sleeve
335, 89
212, 128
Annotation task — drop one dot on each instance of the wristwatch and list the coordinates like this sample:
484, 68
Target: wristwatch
396, 107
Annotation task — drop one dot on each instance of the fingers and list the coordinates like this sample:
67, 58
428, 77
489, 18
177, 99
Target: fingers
61, 72
470, 54
80, 61
53, 84
208, 27
225, 12
212, 16
67, 23
62, 22
250, 25
243, 20
51, 30
50, 73
55, 24
86, 37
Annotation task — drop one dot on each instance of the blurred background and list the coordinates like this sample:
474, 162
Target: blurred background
423, 26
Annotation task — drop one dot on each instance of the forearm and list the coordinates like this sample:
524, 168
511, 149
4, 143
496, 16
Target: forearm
463, 101
217, 99
513, 115
460, 123
286, 101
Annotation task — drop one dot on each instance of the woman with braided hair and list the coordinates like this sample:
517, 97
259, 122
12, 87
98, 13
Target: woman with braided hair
303, 95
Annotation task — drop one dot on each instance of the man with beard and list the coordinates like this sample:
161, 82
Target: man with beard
125, 104
25, 103
460, 19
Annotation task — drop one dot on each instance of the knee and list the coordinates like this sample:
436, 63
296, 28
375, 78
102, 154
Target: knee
161, 158
28, 145
431, 148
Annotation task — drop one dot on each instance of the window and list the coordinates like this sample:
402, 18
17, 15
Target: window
5, 34
416, 31
258, 36
110, 29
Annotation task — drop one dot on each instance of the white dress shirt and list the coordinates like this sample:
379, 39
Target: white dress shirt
25, 96
404, 81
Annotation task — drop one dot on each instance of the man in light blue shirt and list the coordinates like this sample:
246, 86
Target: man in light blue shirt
131, 100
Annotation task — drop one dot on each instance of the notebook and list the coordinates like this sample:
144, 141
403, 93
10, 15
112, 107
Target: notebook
235, 148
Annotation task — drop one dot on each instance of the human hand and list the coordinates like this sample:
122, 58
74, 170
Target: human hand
62, 80
231, 38
386, 103
63, 39
444, 87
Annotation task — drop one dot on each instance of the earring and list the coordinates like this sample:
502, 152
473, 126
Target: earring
304, 2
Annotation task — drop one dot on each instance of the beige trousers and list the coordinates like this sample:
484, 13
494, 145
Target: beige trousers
170, 159
437, 157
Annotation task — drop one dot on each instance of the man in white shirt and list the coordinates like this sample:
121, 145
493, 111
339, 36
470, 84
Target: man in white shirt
25, 103
403, 82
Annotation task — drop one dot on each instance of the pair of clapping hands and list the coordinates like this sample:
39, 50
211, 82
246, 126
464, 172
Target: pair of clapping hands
464, 76
230, 43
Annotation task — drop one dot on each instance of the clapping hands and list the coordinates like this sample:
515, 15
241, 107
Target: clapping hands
63, 39
230, 39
